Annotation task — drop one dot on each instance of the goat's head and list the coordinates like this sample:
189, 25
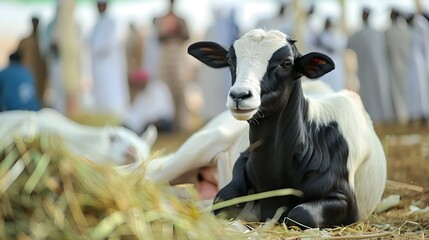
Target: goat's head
264, 67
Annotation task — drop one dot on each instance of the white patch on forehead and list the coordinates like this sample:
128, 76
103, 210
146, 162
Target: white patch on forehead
254, 50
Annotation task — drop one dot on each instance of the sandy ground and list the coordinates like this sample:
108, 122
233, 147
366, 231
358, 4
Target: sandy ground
407, 150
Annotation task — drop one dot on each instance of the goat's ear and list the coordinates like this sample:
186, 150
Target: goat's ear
314, 65
210, 53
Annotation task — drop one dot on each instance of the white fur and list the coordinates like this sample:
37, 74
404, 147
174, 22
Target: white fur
107, 145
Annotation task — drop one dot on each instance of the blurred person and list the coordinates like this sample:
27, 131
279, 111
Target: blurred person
109, 70
370, 48
215, 83
17, 87
153, 104
32, 58
332, 42
284, 21
418, 68
134, 49
309, 31
398, 49
50, 45
172, 33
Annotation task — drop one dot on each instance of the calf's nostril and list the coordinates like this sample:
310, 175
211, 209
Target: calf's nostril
240, 95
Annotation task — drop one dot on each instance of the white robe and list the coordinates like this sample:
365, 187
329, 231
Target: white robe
397, 39
418, 73
370, 48
110, 85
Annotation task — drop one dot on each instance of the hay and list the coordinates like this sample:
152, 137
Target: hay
46, 192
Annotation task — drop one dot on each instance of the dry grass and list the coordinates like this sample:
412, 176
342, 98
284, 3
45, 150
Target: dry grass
48, 193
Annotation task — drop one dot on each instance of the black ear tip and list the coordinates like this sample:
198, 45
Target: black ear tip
193, 49
331, 62
189, 50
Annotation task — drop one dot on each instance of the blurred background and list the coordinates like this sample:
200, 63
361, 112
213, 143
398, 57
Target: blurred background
124, 62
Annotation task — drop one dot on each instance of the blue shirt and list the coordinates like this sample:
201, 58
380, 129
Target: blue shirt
17, 90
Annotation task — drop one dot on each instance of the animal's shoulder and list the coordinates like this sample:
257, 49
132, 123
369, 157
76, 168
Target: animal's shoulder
337, 106
343, 96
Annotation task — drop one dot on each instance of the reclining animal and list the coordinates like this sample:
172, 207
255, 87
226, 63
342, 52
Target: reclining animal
324, 146
112, 145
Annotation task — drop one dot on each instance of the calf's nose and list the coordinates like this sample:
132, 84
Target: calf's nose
240, 95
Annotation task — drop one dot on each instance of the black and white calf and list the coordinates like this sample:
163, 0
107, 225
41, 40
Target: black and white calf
325, 146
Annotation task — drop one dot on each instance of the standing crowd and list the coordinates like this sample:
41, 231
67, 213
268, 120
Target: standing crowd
146, 79
392, 66
388, 68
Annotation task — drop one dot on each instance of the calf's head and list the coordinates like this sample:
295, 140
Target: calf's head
264, 68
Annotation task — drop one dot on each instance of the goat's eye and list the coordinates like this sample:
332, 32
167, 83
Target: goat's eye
229, 61
287, 63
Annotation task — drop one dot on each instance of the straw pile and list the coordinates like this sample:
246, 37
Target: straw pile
46, 192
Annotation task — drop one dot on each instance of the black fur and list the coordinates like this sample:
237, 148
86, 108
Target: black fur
316, 165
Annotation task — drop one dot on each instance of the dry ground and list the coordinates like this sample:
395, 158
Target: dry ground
407, 149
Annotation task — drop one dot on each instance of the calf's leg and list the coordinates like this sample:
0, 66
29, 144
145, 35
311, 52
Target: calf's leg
239, 186
327, 212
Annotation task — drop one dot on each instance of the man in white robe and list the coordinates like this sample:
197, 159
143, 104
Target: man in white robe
398, 48
418, 68
370, 48
109, 69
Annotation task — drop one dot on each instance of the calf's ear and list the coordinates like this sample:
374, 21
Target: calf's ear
210, 53
314, 65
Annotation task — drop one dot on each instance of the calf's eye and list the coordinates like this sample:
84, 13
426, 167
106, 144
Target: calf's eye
287, 63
